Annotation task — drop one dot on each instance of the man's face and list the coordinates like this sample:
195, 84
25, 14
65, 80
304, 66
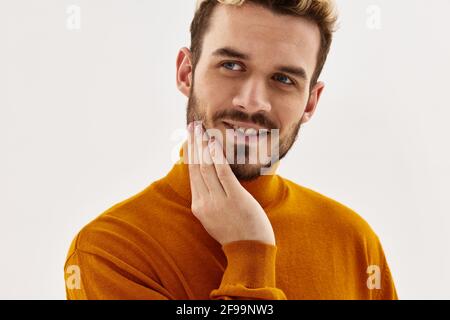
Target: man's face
254, 72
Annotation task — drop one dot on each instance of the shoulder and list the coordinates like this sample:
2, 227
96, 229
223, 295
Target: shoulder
342, 233
336, 226
329, 213
120, 228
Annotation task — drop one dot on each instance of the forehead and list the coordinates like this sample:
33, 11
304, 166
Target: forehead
266, 36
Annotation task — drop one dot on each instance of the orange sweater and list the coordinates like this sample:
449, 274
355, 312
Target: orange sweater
151, 246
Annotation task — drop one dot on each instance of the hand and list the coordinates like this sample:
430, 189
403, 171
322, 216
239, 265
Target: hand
226, 210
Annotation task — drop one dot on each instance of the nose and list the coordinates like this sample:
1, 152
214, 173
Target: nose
253, 97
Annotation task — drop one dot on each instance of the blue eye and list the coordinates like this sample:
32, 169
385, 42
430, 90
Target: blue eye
230, 63
284, 77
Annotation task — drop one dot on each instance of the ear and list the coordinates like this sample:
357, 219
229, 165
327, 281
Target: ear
184, 71
313, 101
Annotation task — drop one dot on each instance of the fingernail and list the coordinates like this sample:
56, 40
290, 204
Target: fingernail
198, 127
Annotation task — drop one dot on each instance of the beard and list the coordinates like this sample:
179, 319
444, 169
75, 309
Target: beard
197, 111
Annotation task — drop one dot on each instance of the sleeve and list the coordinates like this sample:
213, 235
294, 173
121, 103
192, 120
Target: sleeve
92, 277
250, 272
380, 283
387, 289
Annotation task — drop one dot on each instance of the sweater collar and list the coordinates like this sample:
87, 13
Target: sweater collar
266, 189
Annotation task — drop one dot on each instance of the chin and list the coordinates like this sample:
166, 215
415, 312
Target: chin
246, 171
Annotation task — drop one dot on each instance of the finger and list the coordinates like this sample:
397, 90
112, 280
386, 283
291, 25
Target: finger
206, 164
198, 186
224, 173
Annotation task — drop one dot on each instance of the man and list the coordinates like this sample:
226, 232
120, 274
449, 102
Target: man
219, 228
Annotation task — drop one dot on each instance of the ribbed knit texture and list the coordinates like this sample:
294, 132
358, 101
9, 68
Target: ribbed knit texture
151, 246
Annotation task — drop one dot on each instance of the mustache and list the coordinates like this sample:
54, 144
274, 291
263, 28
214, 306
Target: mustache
257, 118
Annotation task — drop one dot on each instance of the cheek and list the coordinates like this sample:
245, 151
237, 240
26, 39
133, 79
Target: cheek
213, 93
289, 115
215, 87
207, 106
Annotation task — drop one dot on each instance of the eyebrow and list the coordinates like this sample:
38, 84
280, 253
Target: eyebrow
235, 54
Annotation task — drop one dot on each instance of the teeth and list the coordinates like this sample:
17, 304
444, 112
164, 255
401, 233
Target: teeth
240, 130
250, 131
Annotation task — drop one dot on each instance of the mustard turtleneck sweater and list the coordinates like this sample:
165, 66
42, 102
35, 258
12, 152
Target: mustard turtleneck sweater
151, 246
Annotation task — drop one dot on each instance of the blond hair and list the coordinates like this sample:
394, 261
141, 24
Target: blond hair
322, 12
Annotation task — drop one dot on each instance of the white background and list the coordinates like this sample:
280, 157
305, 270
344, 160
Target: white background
90, 117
